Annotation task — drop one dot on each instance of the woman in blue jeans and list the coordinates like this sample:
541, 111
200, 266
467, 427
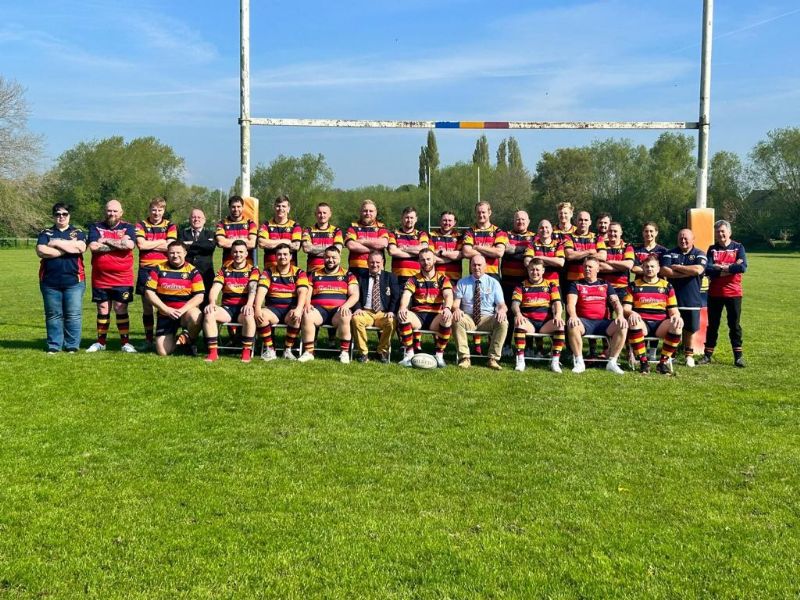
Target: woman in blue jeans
62, 280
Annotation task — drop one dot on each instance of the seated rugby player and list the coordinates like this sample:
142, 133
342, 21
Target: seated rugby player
536, 306
334, 293
588, 302
426, 303
652, 311
281, 297
237, 281
175, 289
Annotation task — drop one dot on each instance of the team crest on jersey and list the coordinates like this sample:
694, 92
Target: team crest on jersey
340, 278
73, 235
184, 276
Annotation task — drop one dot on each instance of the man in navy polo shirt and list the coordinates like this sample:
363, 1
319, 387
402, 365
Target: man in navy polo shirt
683, 266
62, 280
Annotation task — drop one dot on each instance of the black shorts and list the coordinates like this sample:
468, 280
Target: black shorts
281, 311
537, 323
142, 278
652, 327
596, 326
691, 320
426, 318
327, 314
118, 293
233, 312
167, 325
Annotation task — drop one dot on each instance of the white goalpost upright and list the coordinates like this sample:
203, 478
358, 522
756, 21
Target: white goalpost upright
702, 125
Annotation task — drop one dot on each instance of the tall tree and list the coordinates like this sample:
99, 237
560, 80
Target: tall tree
91, 173
480, 156
20, 149
428, 159
502, 155
563, 176
514, 155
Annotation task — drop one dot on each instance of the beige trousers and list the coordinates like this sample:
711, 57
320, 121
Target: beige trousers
370, 318
487, 323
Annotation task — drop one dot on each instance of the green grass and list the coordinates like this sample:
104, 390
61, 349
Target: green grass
133, 476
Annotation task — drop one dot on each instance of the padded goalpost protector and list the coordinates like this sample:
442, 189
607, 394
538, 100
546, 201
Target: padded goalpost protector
701, 222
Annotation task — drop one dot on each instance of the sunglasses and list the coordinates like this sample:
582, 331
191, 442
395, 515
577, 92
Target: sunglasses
61, 214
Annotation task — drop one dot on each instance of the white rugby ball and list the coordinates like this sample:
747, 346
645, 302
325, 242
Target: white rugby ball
423, 361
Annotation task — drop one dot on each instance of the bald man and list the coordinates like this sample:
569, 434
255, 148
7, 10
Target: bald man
111, 242
683, 266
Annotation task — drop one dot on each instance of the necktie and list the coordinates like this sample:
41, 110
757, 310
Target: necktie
376, 293
195, 234
476, 303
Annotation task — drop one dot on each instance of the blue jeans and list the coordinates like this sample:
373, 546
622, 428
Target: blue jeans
63, 315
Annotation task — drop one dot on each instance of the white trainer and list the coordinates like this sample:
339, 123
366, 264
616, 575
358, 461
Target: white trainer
96, 347
520, 365
268, 354
288, 354
579, 365
128, 348
305, 357
555, 365
344, 357
440, 360
406, 362
612, 366
690, 362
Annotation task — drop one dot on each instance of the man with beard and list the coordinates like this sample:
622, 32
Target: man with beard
320, 236
175, 289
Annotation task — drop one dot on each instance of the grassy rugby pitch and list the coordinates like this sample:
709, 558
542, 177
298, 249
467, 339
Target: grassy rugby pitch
132, 476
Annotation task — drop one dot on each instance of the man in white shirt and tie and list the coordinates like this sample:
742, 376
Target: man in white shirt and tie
479, 306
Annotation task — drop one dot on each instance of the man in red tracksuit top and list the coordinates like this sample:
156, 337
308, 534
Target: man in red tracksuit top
726, 263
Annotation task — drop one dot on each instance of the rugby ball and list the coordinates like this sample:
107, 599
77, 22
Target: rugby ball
423, 361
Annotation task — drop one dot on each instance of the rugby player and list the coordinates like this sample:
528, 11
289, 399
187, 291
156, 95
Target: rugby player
564, 226
649, 247
363, 236
404, 246
536, 306
281, 298
235, 227
237, 281
651, 308
426, 303
588, 301
319, 236
727, 261
513, 271
152, 236
176, 290
334, 292
616, 268
111, 242
446, 244
489, 241
280, 229
602, 223
683, 266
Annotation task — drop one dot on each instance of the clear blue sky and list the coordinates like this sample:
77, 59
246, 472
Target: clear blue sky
97, 68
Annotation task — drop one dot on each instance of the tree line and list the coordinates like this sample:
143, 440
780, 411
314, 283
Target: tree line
635, 183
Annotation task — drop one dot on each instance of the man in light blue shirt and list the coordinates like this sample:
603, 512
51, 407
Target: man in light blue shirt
479, 306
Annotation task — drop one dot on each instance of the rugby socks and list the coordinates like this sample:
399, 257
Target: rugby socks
558, 343
308, 347
670, 346
406, 335
124, 327
102, 327
344, 345
477, 340
418, 341
212, 343
291, 336
247, 348
442, 338
183, 339
148, 321
636, 341
265, 333
519, 341
737, 352
709, 350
